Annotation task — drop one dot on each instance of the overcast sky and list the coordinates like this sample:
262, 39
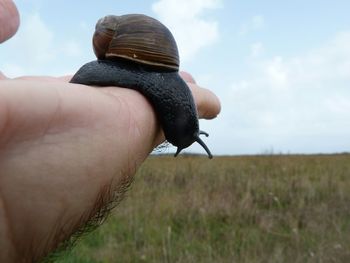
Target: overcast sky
280, 68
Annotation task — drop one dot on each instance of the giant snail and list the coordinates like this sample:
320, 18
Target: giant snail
138, 52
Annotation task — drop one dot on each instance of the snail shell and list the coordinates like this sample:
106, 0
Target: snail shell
138, 52
136, 37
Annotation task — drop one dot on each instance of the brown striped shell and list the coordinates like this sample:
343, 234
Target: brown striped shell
136, 37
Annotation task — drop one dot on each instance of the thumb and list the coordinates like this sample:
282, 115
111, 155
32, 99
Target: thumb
9, 19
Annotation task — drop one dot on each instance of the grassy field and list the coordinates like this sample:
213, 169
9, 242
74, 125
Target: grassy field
229, 209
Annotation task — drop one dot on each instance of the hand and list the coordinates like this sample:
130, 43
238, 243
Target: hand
65, 150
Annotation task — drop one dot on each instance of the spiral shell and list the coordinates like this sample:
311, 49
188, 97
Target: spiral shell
136, 37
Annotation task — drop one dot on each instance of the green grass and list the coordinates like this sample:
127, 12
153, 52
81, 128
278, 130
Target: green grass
229, 209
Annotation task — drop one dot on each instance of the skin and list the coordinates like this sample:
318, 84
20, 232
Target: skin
64, 149
9, 19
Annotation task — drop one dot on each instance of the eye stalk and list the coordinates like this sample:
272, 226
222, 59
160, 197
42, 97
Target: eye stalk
199, 140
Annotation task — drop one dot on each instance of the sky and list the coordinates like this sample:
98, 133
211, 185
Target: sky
281, 69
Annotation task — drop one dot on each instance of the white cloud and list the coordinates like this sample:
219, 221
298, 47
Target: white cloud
12, 70
256, 23
37, 50
71, 48
256, 49
277, 73
36, 39
184, 18
32, 46
306, 96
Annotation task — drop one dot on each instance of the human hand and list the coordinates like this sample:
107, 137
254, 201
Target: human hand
65, 151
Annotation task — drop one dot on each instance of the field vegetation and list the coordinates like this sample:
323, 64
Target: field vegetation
278, 208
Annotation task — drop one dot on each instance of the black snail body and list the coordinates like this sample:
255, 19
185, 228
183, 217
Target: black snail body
138, 52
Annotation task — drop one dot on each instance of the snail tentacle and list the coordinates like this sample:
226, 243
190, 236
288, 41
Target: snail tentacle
178, 150
199, 140
204, 133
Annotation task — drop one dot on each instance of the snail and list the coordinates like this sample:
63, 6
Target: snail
138, 52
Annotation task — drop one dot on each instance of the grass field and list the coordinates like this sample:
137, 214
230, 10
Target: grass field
229, 209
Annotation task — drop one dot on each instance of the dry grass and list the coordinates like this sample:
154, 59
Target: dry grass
229, 209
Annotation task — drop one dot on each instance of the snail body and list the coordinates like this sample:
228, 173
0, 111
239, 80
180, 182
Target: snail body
140, 53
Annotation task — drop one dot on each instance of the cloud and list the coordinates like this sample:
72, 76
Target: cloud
256, 49
185, 19
256, 23
305, 97
36, 50
32, 46
71, 48
277, 73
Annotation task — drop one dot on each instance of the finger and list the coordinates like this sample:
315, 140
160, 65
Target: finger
208, 104
187, 77
9, 19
